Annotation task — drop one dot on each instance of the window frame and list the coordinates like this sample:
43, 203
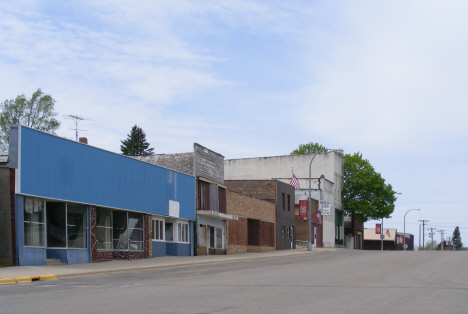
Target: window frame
42, 224
162, 229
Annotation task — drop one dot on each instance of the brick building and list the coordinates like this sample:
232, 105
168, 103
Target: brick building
254, 231
279, 193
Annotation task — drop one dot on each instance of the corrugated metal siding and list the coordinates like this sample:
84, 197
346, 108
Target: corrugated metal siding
208, 164
52, 167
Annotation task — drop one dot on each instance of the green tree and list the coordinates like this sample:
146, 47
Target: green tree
37, 113
366, 196
310, 148
456, 238
431, 245
136, 144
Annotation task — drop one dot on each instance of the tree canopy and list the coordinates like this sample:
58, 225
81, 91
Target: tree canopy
456, 238
136, 144
366, 196
37, 113
309, 148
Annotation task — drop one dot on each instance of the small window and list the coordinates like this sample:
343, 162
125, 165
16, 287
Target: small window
183, 232
284, 206
289, 203
169, 231
158, 230
288, 230
282, 231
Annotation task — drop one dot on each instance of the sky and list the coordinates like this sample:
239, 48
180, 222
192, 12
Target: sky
258, 78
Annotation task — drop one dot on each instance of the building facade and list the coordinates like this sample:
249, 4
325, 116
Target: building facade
326, 184
210, 232
76, 203
279, 193
254, 230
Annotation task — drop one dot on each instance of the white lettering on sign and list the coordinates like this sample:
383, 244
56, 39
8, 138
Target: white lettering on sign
325, 208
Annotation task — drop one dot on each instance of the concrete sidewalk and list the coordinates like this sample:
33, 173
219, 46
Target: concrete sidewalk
85, 269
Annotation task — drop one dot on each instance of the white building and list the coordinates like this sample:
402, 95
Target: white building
326, 170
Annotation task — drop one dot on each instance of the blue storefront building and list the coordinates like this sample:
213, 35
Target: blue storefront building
77, 203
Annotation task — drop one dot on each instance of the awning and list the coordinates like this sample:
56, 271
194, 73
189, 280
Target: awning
214, 214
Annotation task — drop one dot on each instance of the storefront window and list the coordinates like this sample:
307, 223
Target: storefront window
169, 231
56, 224
104, 229
135, 231
77, 225
120, 231
33, 222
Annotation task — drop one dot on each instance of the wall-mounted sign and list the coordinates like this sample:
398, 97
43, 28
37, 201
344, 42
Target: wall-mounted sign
378, 228
325, 208
400, 239
303, 209
174, 210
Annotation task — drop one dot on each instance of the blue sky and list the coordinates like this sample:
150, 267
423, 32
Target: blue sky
258, 78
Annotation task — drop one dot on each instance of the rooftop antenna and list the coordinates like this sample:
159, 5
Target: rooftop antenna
77, 119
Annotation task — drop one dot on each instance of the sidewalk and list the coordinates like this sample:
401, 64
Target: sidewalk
86, 269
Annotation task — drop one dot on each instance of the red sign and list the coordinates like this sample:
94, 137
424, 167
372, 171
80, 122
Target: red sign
303, 209
378, 229
400, 239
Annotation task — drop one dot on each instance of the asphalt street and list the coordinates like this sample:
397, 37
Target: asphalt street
347, 281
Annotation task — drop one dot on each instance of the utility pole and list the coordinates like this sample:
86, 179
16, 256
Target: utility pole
450, 243
432, 236
423, 224
441, 239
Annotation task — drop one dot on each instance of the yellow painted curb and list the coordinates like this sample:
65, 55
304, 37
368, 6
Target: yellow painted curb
47, 277
4, 281
23, 279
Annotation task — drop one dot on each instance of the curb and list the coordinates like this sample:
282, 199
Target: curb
4, 281
183, 264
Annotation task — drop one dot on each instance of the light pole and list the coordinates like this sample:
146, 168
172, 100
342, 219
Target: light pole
309, 241
404, 227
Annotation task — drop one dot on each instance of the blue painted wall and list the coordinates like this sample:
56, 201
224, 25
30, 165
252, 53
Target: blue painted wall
178, 249
53, 167
33, 257
159, 248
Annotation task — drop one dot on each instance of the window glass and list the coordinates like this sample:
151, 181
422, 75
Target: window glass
77, 225
219, 238
158, 230
104, 229
119, 230
135, 231
33, 222
56, 224
289, 202
169, 231
282, 231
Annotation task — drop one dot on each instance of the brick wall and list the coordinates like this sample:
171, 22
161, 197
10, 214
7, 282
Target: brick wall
259, 214
302, 226
261, 189
249, 207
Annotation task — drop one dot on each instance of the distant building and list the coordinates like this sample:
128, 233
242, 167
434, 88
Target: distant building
372, 240
326, 183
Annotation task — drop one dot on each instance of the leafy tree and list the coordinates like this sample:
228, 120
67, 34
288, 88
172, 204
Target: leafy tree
457, 244
136, 144
366, 196
431, 245
310, 148
37, 113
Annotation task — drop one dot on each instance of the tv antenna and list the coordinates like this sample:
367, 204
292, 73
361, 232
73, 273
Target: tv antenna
77, 119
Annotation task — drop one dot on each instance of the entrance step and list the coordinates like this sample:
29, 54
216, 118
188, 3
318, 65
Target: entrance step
54, 262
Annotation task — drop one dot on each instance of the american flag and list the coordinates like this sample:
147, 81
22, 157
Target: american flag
295, 183
387, 233
319, 216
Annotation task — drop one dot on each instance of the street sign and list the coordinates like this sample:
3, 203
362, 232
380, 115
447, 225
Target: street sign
303, 209
382, 237
325, 208
378, 228
405, 246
